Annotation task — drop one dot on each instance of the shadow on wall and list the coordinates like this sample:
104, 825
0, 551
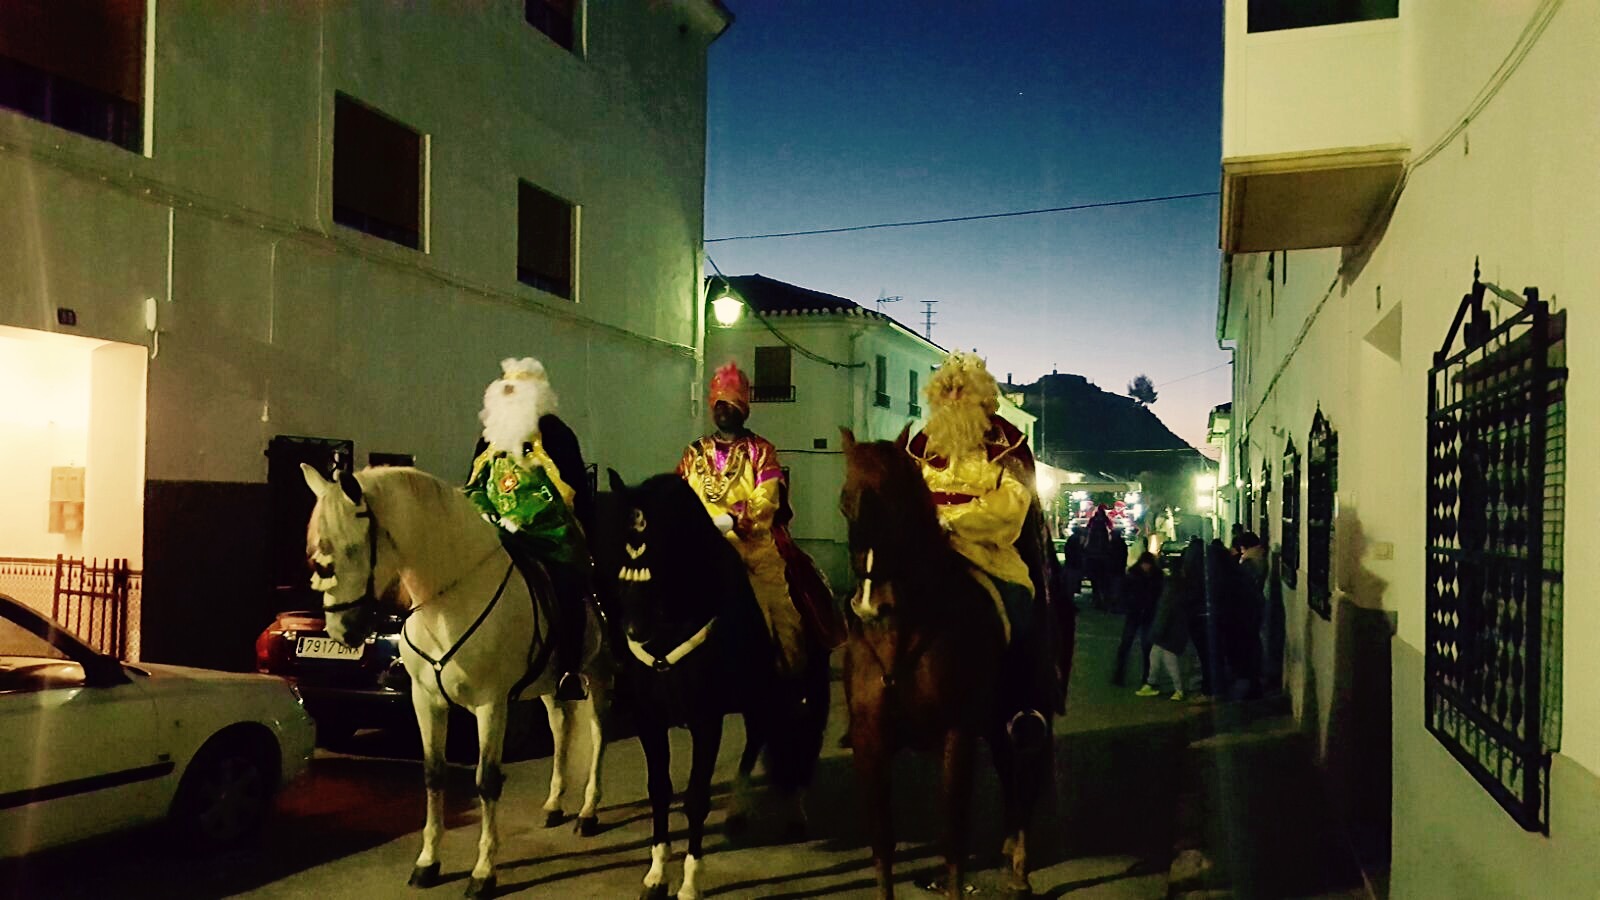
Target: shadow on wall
1360, 733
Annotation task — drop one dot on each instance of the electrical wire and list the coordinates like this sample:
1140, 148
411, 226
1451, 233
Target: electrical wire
1162, 384
974, 218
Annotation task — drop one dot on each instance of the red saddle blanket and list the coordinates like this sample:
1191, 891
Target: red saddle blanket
810, 592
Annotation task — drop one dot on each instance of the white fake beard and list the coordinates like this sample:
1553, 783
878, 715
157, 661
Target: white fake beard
956, 429
509, 419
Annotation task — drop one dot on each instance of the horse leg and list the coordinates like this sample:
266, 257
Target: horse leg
491, 736
561, 735
1018, 791
707, 738
755, 737
433, 716
957, 802
589, 817
657, 758
872, 765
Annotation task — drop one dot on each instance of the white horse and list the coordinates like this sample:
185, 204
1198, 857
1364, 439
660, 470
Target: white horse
474, 631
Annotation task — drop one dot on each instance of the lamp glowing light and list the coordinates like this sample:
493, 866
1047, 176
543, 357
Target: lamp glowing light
727, 309
1046, 484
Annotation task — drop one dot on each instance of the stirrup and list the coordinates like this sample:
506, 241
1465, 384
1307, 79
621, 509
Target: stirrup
1028, 729
570, 687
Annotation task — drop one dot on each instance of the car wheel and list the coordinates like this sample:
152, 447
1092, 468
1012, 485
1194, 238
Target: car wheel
225, 794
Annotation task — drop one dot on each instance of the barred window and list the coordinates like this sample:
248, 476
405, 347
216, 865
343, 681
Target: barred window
1265, 499
1322, 507
1289, 515
1496, 503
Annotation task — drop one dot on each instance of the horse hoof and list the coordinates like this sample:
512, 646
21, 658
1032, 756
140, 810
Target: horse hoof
586, 826
478, 888
424, 876
654, 892
554, 817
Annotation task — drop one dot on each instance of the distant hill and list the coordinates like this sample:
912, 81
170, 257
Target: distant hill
1086, 429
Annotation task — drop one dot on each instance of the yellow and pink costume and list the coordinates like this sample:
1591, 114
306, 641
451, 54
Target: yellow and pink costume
740, 479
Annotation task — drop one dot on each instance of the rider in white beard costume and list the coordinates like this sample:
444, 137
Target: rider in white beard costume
528, 479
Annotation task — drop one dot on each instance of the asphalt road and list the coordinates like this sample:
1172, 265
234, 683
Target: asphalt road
351, 827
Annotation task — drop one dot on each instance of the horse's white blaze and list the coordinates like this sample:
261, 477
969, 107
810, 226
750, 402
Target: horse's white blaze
635, 553
863, 602
658, 865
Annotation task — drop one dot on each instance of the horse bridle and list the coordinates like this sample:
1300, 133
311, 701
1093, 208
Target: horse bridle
367, 596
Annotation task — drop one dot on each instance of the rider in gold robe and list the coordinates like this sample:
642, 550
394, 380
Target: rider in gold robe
981, 473
736, 475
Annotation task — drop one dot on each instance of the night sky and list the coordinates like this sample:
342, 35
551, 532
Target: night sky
826, 113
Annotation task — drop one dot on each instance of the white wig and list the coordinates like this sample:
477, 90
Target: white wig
514, 402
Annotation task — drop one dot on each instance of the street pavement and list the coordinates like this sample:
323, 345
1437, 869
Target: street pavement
351, 828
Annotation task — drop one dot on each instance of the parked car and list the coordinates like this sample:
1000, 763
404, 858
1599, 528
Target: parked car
350, 688
345, 688
91, 745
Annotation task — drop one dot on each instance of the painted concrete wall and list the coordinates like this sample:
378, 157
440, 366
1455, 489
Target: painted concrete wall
274, 320
1503, 194
1350, 74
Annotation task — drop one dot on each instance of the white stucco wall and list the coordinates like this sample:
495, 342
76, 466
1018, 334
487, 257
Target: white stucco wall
1504, 192
280, 321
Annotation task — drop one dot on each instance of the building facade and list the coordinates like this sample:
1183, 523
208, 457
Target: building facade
818, 362
1408, 286
237, 239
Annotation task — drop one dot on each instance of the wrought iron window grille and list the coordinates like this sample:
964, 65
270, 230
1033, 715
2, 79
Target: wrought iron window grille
1495, 535
1322, 508
1265, 499
1289, 515
772, 393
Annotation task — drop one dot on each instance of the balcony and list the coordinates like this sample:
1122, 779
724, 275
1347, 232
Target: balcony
772, 393
1313, 137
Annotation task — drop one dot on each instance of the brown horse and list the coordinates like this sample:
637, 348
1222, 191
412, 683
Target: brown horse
924, 660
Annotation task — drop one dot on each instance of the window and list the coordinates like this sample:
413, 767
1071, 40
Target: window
1279, 15
76, 64
911, 406
544, 240
390, 459
1322, 508
882, 380
1265, 499
1496, 509
558, 19
773, 381
1289, 516
377, 174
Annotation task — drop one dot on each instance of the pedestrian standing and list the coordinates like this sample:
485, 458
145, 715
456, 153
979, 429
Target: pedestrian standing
1198, 586
1169, 638
1141, 591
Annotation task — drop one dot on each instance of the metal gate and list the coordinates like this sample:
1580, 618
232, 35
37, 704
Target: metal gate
1495, 517
91, 600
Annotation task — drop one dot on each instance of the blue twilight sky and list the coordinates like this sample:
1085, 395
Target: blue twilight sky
827, 113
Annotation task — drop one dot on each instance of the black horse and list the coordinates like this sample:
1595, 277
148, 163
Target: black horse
697, 648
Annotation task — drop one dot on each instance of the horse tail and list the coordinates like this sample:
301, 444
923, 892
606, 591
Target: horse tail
796, 724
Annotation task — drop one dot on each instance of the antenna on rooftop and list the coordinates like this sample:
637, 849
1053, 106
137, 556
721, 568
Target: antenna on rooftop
927, 318
882, 300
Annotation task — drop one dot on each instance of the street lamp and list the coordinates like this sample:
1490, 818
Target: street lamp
727, 308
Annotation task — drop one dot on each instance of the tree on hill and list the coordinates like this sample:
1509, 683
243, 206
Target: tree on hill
1143, 390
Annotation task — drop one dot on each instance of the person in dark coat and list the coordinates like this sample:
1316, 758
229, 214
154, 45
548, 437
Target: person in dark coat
1169, 638
1107, 556
1198, 588
1141, 591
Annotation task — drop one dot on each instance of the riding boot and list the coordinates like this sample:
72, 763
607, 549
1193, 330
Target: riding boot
569, 628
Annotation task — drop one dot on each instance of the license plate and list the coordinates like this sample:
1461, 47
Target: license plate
325, 648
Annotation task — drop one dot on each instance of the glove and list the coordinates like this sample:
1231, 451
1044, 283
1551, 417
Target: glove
724, 523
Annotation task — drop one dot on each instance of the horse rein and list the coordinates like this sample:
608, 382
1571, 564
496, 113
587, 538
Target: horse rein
676, 655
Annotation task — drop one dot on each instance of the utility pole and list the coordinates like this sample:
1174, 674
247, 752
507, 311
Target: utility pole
927, 318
